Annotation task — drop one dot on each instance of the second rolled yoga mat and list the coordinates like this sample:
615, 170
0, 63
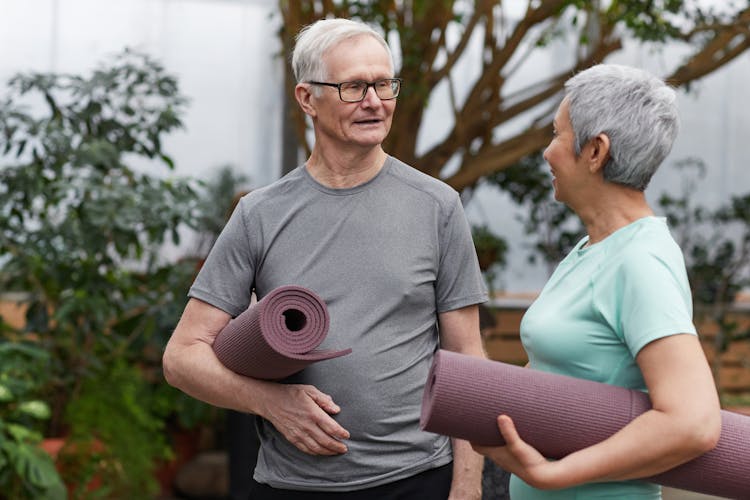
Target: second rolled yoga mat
558, 415
277, 336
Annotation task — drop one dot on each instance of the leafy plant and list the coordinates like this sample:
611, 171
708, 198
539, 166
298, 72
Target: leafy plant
490, 247
490, 250
80, 228
116, 417
217, 199
84, 214
26, 471
716, 244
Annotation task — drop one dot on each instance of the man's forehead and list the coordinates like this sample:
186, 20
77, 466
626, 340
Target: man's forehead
361, 45
354, 64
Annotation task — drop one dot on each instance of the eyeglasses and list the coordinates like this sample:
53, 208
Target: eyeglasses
385, 88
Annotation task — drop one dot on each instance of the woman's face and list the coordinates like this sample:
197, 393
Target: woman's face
568, 172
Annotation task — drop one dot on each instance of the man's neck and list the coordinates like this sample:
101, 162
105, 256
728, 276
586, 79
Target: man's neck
345, 170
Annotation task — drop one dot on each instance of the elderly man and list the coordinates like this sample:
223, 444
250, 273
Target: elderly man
389, 250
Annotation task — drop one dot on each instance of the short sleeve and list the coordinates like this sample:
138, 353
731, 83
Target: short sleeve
226, 278
654, 298
459, 280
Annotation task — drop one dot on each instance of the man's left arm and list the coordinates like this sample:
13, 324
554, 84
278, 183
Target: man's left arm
459, 332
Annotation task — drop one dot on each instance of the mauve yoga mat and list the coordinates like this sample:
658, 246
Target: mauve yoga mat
276, 336
558, 415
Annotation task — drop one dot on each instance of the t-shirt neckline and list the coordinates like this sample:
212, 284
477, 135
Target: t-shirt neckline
581, 248
349, 190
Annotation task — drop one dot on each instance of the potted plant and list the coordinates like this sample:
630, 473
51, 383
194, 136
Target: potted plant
26, 471
490, 250
490, 247
81, 234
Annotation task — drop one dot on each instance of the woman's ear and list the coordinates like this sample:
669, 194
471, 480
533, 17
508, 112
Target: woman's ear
598, 155
304, 97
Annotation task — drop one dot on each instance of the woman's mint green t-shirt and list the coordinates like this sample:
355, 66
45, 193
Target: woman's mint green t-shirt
602, 305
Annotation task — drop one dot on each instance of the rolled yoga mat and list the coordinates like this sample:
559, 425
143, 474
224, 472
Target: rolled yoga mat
558, 415
277, 336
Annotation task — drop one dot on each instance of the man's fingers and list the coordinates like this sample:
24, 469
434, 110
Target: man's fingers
327, 443
316, 441
333, 428
303, 415
320, 445
328, 424
324, 401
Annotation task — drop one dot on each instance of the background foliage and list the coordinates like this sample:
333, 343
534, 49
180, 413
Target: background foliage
86, 207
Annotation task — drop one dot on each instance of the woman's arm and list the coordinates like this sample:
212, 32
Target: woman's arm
684, 422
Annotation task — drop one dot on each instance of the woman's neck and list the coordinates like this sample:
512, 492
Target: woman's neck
612, 210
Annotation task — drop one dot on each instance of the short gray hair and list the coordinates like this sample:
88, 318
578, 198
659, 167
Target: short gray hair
315, 39
636, 110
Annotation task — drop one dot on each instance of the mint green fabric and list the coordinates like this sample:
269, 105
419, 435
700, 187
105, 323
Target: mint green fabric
601, 306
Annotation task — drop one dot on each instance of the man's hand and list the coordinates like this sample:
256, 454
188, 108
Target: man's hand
303, 415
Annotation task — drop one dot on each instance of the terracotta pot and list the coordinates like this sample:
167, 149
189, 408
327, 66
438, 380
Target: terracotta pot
53, 446
68, 455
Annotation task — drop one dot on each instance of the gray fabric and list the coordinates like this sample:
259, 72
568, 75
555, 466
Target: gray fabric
386, 257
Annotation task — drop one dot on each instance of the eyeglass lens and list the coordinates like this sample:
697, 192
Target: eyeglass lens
387, 88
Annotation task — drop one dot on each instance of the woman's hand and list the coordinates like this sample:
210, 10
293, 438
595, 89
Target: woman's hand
519, 458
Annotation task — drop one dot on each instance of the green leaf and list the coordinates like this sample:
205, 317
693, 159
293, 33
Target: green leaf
5, 394
37, 409
38, 470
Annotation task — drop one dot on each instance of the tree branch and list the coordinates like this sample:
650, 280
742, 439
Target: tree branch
499, 155
718, 51
436, 76
484, 99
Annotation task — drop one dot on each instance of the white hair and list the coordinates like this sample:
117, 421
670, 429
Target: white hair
315, 39
636, 110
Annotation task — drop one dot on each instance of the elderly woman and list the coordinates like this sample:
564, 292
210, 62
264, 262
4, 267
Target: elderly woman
618, 308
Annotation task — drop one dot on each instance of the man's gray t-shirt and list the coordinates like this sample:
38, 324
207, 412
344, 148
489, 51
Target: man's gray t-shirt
386, 257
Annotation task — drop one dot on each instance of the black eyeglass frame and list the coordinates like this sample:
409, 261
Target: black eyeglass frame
337, 86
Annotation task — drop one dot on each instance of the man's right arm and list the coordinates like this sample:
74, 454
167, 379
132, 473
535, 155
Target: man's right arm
299, 412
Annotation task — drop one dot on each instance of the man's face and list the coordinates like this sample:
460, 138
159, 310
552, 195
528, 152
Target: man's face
361, 124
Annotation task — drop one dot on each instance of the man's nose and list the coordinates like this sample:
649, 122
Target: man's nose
371, 97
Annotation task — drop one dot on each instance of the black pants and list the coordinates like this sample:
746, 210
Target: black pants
434, 484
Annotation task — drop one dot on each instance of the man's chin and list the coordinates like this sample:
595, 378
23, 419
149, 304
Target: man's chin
369, 140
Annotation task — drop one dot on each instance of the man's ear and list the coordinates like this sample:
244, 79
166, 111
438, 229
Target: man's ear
304, 97
598, 154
